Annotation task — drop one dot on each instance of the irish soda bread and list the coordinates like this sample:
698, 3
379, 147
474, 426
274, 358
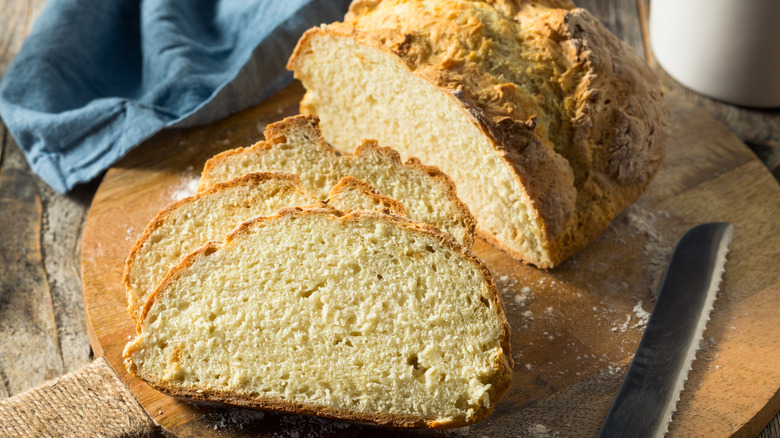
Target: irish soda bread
188, 224
352, 194
366, 317
548, 124
295, 145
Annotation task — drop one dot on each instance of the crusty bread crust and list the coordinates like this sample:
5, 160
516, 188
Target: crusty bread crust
503, 364
276, 133
577, 172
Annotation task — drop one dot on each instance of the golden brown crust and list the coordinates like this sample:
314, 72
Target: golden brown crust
504, 363
576, 114
162, 216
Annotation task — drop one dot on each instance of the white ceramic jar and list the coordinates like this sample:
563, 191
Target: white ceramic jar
726, 49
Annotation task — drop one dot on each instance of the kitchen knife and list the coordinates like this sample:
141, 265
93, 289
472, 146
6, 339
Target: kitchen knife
651, 389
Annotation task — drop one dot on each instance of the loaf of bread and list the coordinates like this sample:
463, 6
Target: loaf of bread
189, 223
365, 317
548, 124
295, 145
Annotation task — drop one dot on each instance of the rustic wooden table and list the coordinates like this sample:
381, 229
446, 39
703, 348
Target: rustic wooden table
42, 327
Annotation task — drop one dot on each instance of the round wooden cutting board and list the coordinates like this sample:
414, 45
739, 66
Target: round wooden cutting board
574, 328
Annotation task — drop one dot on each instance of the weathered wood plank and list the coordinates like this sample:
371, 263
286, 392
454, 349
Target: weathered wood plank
41, 236
16, 20
28, 333
63, 222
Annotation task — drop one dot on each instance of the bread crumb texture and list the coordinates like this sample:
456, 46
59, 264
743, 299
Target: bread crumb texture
211, 214
295, 145
548, 124
366, 317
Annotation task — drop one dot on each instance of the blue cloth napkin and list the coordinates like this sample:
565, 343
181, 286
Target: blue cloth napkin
95, 78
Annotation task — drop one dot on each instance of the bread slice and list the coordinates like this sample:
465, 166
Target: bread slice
548, 124
189, 223
367, 317
352, 194
295, 145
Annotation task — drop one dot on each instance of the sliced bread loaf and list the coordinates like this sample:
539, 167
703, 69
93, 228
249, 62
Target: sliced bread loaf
548, 124
211, 214
367, 317
295, 145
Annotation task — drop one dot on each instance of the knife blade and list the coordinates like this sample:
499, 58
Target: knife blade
651, 389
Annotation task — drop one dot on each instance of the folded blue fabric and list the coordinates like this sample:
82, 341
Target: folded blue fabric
95, 78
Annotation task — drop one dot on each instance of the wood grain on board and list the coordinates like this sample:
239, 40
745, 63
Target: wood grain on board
574, 328
42, 330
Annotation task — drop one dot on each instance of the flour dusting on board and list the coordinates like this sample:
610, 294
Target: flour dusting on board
659, 245
187, 187
130, 235
540, 431
234, 419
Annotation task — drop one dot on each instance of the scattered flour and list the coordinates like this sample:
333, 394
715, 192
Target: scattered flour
623, 327
130, 236
521, 299
235, 419
659, 244
540, 431
187, 189
641, 315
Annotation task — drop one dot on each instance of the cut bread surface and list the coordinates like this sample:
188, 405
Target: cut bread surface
296, 145
547, 123
211, 214
352, 194
366, 317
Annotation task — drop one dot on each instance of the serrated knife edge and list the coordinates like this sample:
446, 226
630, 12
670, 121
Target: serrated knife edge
641, 409
717, 279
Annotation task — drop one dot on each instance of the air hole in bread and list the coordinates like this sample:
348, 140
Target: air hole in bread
418, 370
309, 292
462, 402
354, 268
